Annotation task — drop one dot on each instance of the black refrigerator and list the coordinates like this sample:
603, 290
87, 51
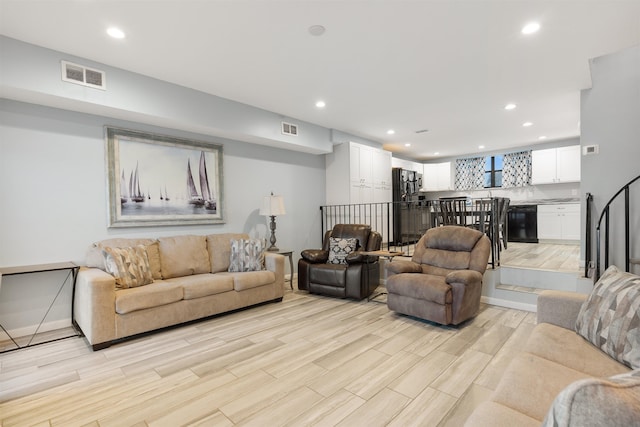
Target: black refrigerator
406, 184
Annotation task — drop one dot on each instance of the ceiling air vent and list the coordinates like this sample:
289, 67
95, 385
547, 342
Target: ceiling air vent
289, 129
78, 74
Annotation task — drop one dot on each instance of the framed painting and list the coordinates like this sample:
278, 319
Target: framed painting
158, 180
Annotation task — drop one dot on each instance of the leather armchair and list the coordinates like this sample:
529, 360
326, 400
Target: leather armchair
356, 279
443, 281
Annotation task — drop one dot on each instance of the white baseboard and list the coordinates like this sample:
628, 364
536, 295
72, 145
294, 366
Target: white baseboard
509, 304
45, 327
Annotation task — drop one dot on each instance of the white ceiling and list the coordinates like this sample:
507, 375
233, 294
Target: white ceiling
449, 66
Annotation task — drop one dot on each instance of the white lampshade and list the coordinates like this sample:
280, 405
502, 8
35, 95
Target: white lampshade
272, 206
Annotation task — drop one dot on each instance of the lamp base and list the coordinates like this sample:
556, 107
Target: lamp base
273, 249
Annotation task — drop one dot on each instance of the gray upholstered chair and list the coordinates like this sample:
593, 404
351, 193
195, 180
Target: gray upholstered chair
443, 281
356, 277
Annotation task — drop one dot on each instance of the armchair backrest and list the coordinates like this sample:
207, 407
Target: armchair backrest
362, 232
445, 249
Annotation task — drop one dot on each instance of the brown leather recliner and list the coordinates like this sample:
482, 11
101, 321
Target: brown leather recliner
443, 281
356, 279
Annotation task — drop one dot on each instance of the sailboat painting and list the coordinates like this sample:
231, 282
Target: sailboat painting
187, 173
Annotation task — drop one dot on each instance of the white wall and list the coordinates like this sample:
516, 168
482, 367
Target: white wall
610, 117
53, 193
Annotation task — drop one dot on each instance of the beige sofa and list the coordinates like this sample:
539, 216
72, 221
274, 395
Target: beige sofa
554, 357
190, 281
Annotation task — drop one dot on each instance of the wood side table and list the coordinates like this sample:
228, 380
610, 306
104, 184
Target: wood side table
20, 342
381, 254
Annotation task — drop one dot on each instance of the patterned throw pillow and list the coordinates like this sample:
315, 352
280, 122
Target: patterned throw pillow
597, 402
129, 266
340, 248
610, 317
246, 255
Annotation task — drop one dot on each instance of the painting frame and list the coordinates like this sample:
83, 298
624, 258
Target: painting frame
160, 160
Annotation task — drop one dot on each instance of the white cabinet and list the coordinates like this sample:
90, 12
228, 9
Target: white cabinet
556, 165
357, 173
559, 222
437, 177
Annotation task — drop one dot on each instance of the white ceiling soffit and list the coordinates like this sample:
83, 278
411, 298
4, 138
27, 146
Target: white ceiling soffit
445, 65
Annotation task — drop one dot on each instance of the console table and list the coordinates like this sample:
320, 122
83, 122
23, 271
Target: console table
21, 342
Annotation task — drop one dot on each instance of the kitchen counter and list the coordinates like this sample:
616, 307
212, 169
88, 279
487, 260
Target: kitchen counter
545, 201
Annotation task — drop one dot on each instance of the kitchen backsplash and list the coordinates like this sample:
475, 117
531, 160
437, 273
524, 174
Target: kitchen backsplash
532, 192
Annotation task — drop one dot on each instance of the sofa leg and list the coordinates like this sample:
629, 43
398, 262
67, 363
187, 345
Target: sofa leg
101, 346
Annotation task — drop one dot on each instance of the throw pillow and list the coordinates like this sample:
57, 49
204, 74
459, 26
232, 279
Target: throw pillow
340, 248
613, 401
246, 255
129, 266
610, 317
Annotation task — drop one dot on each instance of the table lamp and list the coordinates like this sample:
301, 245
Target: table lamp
272, 206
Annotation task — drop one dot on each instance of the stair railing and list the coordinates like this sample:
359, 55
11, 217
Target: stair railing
627, 232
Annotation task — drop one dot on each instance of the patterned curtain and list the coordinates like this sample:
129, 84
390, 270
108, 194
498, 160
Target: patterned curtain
470, 173
516, 169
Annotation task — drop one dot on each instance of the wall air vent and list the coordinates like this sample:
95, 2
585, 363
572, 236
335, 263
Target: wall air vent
289, 129
78, 74
590, 149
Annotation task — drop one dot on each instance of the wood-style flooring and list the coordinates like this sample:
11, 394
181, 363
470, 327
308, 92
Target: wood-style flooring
542, 256
309, 360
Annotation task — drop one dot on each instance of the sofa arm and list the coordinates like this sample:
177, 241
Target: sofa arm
95, 305
357, 257
315, 256
466, 277
275, 262
560, 308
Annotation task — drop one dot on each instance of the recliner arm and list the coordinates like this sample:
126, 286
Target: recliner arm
465, 277
315, 256
357, 257
397, 267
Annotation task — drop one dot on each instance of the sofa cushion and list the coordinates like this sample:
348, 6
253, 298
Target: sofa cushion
610, 317
183, 256
339, 249
598, 402
201, 285
129, 266
496, 415
160, 293
96, 259
566, 347
251, 279
219, 247
530, 383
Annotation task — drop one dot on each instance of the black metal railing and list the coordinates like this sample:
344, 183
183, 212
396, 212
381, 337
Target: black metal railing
606, 216
587, 235
402, 224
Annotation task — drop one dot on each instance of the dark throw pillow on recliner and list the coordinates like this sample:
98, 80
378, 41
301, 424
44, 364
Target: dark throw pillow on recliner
340, 248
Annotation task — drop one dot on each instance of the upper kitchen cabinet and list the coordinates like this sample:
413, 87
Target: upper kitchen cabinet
437, 177
357, 173
556, 165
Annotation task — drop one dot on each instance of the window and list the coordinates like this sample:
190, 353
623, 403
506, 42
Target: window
493, 171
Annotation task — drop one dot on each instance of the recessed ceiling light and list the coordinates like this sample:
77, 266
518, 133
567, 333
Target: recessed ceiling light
530, 28
481, 147
320, 104
316, 30
542, 137
436, 153
116, 33
510, 106
527, 124
407, 144
391, 132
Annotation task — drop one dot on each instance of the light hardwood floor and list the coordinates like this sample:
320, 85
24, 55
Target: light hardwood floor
309, 360
543, 256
